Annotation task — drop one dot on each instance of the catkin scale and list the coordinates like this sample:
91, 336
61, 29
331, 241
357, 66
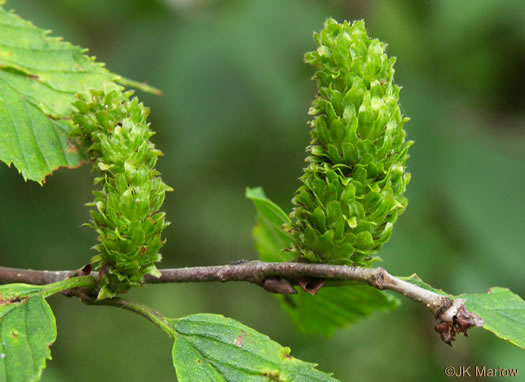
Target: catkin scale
352, 187
126, 209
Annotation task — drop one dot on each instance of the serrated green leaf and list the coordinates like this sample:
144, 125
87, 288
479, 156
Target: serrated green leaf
35, 144
331, 308
502, 310
27, 330
211, 347
39, 77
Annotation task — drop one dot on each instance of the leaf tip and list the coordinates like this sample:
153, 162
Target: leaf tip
254, 193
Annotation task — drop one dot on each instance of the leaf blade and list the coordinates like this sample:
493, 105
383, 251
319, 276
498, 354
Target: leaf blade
39, 78
215, 348
270, 238
335, 308
34, 143
502, 310
27, 330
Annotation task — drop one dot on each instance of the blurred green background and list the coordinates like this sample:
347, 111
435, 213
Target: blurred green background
233, 114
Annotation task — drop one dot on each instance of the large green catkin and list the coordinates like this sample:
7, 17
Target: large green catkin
126, 213
356, 175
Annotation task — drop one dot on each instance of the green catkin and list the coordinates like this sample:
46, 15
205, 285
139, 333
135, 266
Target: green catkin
126, 213
356, 174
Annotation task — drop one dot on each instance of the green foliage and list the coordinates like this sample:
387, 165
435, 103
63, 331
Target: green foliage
334, 308
210, 347
34, 136
502, 310
269, 236
331, 308
353, 185
39, 77
127, 213
27, 329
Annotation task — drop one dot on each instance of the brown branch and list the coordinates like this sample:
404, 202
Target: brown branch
275, 277
29, 276
281, 277
258, 272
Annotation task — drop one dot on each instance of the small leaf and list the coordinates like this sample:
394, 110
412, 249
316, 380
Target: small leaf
270, 238
503, 313
27, 329
502, 310
210, 347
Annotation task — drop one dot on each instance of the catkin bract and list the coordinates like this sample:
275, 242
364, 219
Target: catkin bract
352, 187
126, 213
